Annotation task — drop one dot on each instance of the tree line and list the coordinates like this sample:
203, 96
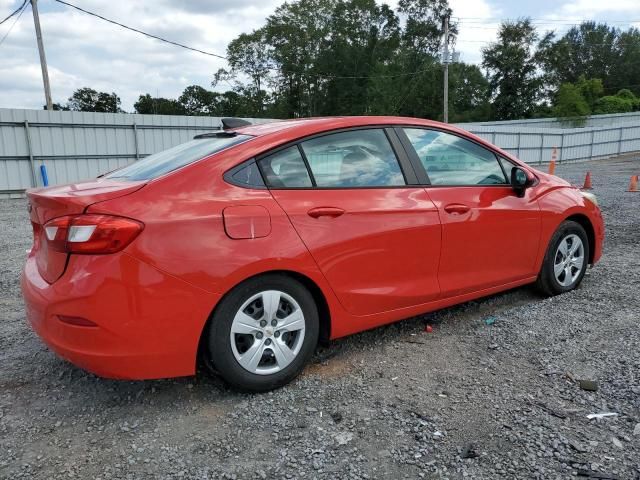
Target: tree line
358, 57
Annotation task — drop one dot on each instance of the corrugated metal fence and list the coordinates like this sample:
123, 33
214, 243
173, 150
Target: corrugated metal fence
80, 145
535, 145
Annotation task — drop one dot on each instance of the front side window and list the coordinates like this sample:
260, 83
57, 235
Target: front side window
357, 158
285, 169
166, 161
452, 160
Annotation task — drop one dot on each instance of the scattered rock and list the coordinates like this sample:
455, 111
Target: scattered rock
343, 438
469, 451
589, 385
336, 417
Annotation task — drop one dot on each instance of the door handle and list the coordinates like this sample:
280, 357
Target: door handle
325, 212
457, 208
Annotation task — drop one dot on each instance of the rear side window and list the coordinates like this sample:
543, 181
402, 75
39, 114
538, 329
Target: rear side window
357, 158
452, 160
166, 161
285, 169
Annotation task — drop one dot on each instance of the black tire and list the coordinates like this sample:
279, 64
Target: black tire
547, 283
219, 351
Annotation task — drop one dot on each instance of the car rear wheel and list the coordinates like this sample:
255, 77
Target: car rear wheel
566, 260
263, 333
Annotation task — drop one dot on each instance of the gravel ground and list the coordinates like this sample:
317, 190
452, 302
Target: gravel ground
469, 400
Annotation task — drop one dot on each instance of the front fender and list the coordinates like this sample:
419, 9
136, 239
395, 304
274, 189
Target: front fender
559, 203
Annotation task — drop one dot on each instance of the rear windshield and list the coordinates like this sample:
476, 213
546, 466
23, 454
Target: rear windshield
168, 160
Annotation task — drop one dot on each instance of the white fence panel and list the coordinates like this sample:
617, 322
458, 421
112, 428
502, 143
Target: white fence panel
80, 145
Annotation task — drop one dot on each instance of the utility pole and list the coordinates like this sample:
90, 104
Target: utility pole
445, 60
43, 58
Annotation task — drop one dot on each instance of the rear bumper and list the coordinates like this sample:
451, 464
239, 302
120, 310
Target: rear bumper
147, 323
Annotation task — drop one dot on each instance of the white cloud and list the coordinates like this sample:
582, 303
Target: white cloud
86, 51
580, 9
477, 27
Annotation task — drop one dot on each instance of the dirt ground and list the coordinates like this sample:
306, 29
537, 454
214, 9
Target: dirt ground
492, 392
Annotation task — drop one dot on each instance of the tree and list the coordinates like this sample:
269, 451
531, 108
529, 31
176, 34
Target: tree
89, 100
571, 105
591, 89
626, 70
590, 50
514, 84
469, 93
196, 100
158, 106
622, 102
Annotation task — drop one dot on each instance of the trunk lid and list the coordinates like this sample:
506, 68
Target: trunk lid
72, 199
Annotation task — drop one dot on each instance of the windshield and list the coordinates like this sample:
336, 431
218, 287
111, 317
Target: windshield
166, 161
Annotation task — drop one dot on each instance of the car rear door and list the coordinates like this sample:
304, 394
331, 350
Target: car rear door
490, 236
375, 236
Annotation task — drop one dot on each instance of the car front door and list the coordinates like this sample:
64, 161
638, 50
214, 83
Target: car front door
490, 235
375, 238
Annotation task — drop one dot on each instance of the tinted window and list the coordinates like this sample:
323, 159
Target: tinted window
285, 169
452, 160
507, 166
358, 158
246, 176
168, 160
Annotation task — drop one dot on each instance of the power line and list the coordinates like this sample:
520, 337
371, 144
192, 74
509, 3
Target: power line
14, 12
150, 35
279, 69
23, 7
539, 20
306, 74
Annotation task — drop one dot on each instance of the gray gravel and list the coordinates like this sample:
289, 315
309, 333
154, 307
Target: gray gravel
469, 400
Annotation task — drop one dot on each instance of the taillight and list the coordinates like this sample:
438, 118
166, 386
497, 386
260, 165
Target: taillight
91, 234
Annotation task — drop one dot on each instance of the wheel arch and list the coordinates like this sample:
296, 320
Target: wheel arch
585, 223
324, 313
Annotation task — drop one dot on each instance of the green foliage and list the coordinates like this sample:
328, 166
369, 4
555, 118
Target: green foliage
89, 100
622, 102
514, 84
590, 89
612, 104
361, 57
595, 51
571, 105
158, 106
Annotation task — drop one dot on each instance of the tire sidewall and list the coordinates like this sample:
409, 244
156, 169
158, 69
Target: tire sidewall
566, 229
219, 346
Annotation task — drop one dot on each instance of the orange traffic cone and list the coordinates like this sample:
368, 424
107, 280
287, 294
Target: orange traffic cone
552, 165
633, 184
587, 182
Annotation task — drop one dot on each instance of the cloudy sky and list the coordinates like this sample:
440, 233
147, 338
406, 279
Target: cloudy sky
86, 51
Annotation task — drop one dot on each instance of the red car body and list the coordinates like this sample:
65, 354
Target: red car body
392, 253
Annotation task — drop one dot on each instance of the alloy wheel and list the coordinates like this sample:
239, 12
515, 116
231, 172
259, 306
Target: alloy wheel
267, 332
569, 260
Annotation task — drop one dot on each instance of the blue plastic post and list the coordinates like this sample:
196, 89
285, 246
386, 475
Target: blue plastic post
45, 177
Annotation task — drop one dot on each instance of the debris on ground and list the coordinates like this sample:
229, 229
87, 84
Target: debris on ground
588, 385
489, 320
591, 416
390, 389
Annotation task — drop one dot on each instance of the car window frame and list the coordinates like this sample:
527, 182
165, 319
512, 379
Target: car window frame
421, 171
406, 167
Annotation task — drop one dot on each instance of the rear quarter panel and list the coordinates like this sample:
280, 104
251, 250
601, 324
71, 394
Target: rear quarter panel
185, 235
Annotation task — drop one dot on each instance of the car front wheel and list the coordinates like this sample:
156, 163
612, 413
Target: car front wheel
565, 261
263, 333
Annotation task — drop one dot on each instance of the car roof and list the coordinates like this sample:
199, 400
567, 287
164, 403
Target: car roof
306, 126
278, 132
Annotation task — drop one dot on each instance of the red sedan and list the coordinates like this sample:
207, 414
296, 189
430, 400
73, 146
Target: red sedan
246, 246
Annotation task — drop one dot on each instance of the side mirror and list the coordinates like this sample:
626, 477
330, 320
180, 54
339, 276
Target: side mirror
520, 180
